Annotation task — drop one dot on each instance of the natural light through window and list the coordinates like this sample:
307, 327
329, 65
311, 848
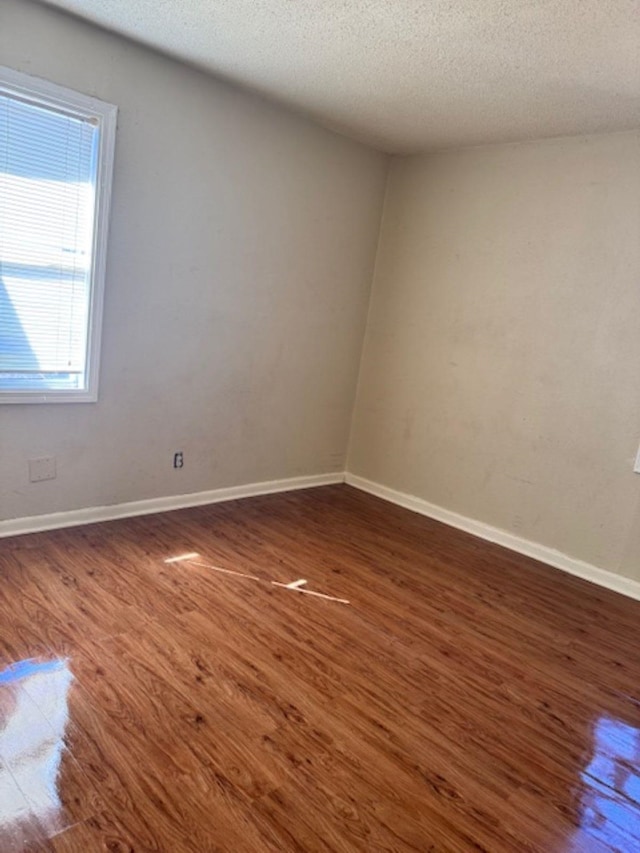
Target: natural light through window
56, 153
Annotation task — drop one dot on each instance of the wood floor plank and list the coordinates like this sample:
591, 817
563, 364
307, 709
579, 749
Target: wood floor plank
464, 699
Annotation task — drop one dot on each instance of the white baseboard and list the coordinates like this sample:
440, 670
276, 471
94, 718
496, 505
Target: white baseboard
89, 515
554, 558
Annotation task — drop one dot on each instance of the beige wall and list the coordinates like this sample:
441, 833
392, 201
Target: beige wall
239, 266
501, 370
499, 377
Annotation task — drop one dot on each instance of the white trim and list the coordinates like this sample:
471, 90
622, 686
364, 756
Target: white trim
90, 515
554, 558
52, 96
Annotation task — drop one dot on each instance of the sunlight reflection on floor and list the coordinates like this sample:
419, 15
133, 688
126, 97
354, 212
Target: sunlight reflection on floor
611, 794
298, 585
33, 719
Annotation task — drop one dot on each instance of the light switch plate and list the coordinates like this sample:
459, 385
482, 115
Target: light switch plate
636, 467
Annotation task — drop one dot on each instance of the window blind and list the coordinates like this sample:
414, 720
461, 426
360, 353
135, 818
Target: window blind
48, 166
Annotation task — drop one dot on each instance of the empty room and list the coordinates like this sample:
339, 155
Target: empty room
319, 426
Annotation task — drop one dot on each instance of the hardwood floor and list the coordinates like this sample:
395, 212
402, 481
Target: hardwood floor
464, 699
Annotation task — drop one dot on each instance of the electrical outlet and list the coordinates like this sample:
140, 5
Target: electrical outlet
43, 468
178, 459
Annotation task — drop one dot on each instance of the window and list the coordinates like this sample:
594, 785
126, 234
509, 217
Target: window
56, 158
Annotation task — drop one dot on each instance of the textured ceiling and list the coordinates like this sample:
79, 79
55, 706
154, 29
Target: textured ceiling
406, 75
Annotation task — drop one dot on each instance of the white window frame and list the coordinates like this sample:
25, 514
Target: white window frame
53, 96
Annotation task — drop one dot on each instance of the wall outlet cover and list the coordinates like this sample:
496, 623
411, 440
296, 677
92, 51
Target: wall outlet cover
43, 468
